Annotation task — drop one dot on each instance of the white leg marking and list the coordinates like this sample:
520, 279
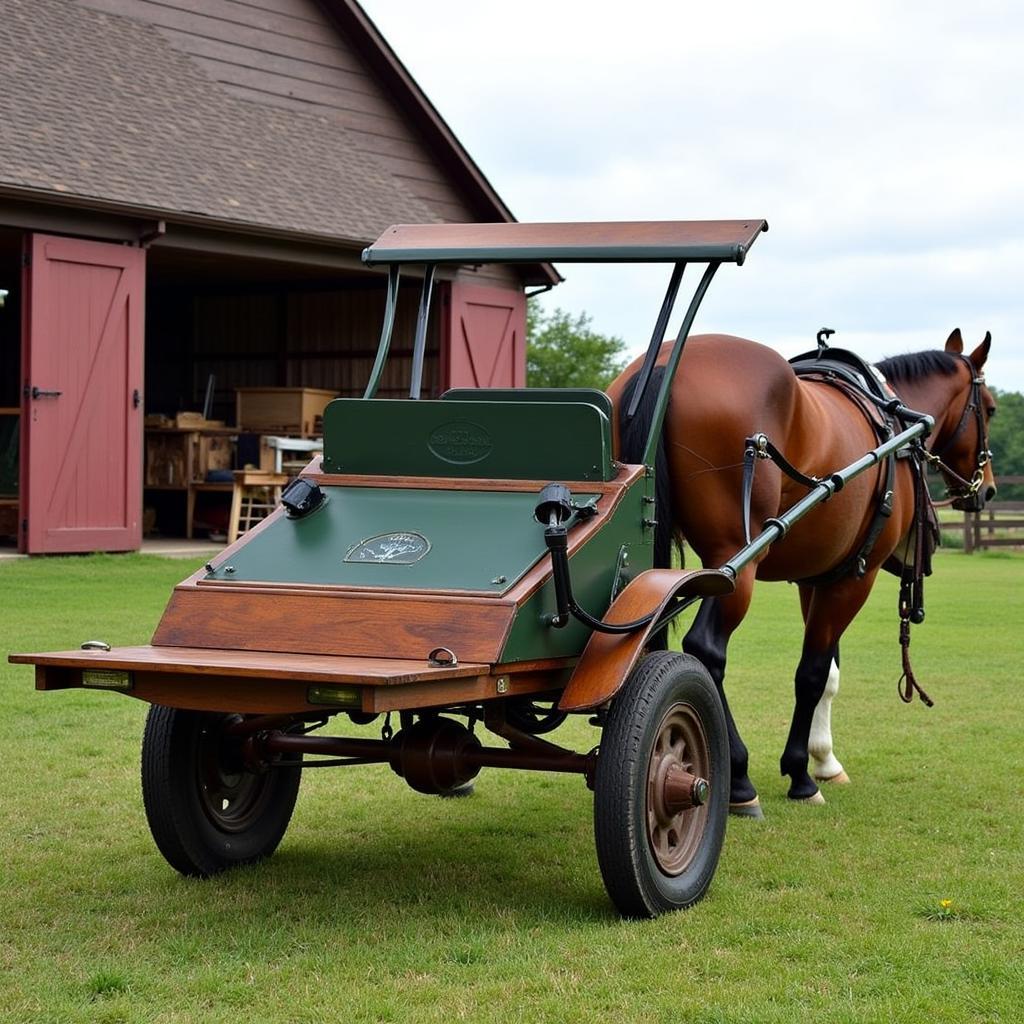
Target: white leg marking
820, 743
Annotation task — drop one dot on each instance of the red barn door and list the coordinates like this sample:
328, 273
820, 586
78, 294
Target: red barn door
81, 406
485, 338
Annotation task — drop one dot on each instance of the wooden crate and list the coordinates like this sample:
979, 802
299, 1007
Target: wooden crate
296, 412
176, 458
215, 452
167, 462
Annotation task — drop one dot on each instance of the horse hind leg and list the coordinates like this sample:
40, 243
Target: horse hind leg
707, 640
827, 767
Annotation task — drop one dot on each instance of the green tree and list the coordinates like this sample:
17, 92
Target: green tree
563, 351
1006, 439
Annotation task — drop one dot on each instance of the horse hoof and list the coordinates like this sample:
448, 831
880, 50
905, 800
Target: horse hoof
747, 809
815, 798
841, 779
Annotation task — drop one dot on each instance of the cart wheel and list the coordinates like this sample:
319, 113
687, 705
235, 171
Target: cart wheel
206, 810
661, 789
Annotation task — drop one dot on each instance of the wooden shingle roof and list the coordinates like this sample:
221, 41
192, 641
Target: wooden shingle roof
98, 107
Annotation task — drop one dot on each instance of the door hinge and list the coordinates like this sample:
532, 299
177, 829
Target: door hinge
24, 526
26, 259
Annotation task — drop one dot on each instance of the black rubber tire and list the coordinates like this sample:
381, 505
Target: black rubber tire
177, 748
635, 881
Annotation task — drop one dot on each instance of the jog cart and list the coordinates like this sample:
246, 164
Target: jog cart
477, 563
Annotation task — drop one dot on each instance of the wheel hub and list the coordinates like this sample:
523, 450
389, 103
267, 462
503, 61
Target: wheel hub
682, 790
230, 796
677, 789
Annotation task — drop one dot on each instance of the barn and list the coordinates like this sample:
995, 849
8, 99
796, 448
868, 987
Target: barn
185, 189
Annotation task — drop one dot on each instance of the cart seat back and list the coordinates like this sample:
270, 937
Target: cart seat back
509, 436
586, 396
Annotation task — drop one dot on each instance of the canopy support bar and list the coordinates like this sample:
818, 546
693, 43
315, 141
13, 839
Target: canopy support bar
656, 339
661, 407
420, 343
391, 304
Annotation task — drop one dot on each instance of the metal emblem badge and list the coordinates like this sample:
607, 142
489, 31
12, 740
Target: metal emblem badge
460, 442
390, 549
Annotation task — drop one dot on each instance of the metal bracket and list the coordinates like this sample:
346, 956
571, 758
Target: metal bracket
621, 577
442, 657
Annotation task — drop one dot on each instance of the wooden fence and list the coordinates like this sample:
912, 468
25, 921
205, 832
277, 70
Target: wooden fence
1000, 524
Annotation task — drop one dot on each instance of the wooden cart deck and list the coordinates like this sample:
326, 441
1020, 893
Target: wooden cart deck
259, 682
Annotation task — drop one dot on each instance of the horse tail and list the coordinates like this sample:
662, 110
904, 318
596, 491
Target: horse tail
632, 439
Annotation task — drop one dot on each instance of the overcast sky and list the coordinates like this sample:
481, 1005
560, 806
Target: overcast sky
883, 142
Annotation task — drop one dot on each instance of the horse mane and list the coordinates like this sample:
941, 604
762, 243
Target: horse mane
916, 365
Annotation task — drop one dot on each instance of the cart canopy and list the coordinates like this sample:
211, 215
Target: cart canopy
610, 242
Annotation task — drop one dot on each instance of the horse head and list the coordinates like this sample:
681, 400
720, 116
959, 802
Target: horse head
960, 451
950, 387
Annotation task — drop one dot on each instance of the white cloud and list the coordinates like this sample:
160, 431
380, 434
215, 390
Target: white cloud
882, 141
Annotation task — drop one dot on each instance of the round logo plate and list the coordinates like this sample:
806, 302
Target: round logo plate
390, 549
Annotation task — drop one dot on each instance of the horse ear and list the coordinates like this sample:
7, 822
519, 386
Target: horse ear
980, 354
955, 343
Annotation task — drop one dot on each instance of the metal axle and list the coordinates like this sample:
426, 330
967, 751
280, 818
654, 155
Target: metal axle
472, 756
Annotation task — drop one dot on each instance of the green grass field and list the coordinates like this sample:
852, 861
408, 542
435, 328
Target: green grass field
383, 905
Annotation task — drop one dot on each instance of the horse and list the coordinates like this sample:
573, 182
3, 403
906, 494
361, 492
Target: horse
729, 389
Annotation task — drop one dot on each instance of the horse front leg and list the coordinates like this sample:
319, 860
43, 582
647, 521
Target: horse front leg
809, 685
827, 767
707, 640
827, 612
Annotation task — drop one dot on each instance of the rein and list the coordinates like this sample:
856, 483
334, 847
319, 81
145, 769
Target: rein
911, 602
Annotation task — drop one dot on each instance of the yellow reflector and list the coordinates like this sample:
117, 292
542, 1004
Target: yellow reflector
338, 696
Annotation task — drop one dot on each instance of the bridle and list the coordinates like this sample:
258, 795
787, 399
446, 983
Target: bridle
965, 491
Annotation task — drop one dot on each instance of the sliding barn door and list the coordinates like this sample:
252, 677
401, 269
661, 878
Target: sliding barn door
485, 337
82, 396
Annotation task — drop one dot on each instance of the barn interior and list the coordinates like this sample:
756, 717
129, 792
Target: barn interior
215, 324
263, 323
10, 360
218, 327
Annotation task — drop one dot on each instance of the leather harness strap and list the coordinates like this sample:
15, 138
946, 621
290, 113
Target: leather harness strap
881, 407
883, 425
862, 385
